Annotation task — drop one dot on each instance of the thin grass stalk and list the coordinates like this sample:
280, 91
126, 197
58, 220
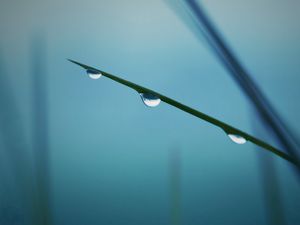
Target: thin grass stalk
228, 129
226, 56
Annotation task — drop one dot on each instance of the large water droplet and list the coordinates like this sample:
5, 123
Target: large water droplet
150, 99
94, 74
237, 139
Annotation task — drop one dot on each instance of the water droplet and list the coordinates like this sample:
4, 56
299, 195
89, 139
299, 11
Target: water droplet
237, 139
150, 99
94, 74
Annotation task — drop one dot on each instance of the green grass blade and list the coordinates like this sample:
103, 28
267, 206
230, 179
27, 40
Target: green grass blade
225, 127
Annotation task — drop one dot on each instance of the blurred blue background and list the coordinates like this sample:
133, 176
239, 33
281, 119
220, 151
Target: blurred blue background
109, 155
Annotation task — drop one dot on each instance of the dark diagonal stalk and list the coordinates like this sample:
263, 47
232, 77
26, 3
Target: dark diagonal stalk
243, 78
225, 127
275, 212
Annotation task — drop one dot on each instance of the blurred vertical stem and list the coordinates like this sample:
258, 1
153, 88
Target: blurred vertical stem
16, 150
274, 208
40, 128
271, 191
175, 176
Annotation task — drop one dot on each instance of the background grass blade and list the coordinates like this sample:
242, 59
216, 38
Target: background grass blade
175, 175
214, 39
21, 196
244, 80
40, 128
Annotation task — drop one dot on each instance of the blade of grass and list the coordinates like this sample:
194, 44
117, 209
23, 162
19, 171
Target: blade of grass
225, 127
226, 56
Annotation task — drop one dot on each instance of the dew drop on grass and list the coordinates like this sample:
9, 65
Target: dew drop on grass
150, 99
94, 74
237, 139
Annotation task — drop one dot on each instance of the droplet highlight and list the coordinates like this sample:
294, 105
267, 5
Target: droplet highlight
150, 100
237, 139
94, 74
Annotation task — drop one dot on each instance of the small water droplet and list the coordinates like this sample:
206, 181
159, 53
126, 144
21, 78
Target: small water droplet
237, 139
150, 99
94, 74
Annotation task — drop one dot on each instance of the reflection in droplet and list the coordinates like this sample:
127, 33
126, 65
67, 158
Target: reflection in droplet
237, 139
94, 74
150, 99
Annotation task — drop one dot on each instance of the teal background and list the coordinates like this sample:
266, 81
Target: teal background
109, 154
